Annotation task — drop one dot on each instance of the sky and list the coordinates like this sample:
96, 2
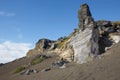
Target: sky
24, 22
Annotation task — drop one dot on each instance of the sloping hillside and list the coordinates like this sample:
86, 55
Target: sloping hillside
91, 52
106, 68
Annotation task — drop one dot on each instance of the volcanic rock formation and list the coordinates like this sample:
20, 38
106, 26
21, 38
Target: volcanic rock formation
86, 39
89, 40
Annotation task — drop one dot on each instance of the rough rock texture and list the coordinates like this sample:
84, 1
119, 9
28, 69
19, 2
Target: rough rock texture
84, 16
81, 46
67, 53
43, 45
96, 37
95, 40
109, 34
86, 40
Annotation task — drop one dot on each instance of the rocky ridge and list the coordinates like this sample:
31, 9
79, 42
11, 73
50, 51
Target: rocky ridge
89, 40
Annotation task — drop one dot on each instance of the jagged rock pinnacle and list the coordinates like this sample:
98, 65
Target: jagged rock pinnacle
84, 16
86, 40
91, 37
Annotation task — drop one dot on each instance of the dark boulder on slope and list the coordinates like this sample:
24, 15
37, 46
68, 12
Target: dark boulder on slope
44, 44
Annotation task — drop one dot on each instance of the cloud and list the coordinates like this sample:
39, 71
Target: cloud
10, 51
2, 13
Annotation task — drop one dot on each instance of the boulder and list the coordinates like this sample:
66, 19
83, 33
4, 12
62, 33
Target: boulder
63, 66
29, 71
45, 70
35, 71
104, 23
107, 23
44, 44
115, 37
59, 64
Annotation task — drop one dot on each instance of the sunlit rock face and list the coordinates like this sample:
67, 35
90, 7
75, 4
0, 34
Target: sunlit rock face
85, 41
42, 46
89, 40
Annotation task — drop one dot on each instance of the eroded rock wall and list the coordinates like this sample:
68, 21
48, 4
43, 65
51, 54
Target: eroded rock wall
91, 38
86, 39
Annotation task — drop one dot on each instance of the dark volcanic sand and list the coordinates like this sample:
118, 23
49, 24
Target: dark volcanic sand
107, 68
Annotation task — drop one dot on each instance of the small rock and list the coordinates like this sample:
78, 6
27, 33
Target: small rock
28, 72
58, 64
35, 71
45, 70
63, 66
107, 23
110, 30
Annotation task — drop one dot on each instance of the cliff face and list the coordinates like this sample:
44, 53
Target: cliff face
91, 39
86, 39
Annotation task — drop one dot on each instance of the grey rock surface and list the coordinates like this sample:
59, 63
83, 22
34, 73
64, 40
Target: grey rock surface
86, 40
84, 15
